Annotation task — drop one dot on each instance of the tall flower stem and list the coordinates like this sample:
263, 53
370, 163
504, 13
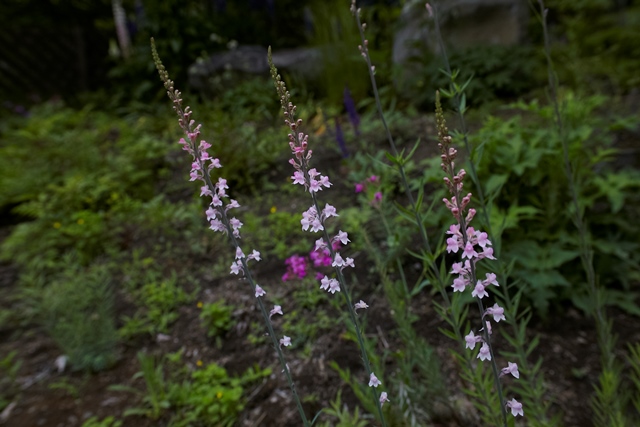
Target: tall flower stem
458, 200
192, 132
298, 144
609, 398
447, 311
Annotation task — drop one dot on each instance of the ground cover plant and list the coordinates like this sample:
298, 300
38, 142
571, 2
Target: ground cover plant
469, 266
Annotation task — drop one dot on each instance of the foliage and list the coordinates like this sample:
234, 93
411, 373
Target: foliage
495, 72
77, 310
216, 319
9, 368
520, 163
207, 396
344, 417
157, 299
105, 422
81, 176
599, 47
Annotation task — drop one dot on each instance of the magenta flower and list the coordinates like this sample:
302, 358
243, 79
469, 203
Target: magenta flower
359, 188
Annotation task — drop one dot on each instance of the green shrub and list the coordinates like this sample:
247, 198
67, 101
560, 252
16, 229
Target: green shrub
77, 310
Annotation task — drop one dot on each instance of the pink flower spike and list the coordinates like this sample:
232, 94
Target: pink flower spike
360, 305
373, 380
285, 341
497, 312
259, 291
485, 353
516, 407
479, 291
472, 340
239, 253
512, 369
276, 310
383, 398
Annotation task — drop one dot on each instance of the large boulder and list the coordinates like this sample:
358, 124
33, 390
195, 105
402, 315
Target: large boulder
463, 23
253, 60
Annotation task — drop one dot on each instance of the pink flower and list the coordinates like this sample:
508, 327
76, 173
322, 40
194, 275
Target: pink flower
285, 341
459, 284
235, 267
259, 291
329, 211
359, 188
472, 340
516, 407
360, 305
479, 291
239, 253
373, 380
497, 312
298, 178
512, 369
469, 252
342, 237
377, 197
276, 310
383, 398
485, 353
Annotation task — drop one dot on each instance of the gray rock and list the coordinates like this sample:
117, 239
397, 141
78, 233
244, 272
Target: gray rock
464, 23
253, 60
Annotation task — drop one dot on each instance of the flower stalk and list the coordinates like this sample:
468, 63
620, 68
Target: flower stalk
314, 220
218, 214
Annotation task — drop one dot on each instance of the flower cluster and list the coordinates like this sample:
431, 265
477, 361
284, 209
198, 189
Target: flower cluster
298, 265
473, 245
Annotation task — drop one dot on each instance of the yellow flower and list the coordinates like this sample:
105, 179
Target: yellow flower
80, 221
273, 209
199, 304
219, 395
199, 363
57, 225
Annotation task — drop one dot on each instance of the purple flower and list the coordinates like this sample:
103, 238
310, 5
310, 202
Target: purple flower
350, 106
